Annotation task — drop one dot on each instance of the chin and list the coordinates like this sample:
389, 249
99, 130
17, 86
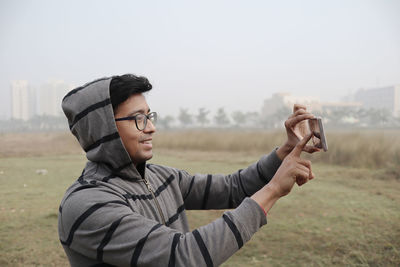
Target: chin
147, 156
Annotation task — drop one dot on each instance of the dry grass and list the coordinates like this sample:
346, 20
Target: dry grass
38, 144
372, 149
220, 140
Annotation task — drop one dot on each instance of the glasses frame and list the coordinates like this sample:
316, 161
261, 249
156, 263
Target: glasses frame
152, 116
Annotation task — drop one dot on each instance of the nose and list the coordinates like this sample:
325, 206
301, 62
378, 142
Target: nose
150, 127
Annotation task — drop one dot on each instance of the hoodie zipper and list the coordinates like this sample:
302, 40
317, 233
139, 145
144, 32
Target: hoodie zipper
150, 188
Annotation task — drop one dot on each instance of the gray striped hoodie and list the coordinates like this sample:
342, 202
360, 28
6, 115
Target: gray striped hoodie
119, 214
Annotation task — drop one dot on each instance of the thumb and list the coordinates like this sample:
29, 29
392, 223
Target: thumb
296, 107
300, 145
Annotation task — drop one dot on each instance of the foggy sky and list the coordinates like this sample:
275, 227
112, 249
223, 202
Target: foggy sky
230, 54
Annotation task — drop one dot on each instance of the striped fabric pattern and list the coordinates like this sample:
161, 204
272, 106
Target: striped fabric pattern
108, 216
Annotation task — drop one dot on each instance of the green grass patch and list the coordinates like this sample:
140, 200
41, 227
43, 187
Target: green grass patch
346, 216
29, 204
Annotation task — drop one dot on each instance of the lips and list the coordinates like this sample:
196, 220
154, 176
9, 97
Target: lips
147, 143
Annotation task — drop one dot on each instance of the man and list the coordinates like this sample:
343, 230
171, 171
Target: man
122, 211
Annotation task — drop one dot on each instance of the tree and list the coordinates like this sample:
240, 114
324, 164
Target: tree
221, 119
185, 118
252, 119
201, 117
337, 116
239, 118
378, 117
279, 116
165, 122
266, 121
246, 119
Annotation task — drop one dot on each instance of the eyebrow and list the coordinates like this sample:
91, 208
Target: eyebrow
138, 111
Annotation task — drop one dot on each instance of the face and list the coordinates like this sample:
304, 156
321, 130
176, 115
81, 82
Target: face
138, 143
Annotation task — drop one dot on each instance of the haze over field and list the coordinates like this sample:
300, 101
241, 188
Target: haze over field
211, 54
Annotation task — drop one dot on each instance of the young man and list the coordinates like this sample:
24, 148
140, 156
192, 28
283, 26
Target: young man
122, 211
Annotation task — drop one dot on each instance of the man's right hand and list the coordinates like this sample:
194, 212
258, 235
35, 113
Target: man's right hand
292, 170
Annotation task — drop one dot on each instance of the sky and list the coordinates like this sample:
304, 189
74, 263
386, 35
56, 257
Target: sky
212, 54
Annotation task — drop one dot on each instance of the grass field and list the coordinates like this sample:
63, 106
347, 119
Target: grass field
346, 216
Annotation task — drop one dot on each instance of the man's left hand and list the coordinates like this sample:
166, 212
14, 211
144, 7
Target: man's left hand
296, 129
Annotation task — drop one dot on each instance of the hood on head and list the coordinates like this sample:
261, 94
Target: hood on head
91, 119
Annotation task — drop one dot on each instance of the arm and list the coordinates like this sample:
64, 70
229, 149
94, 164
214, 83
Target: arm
103, 228
227, 191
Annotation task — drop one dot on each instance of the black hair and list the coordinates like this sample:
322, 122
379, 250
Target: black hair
122, 87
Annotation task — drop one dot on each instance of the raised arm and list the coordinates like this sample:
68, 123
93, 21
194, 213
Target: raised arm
227, 191
103, 228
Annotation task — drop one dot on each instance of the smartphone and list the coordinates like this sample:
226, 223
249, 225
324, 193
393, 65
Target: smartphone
318, 138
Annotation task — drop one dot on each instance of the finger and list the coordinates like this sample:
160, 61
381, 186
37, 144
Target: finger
300, 182
311, 175
300, 145
304, 162
302, 172
299, 112
296, 107
311, 149
305, 167
291, 122
302, 178
296, 119
302, 168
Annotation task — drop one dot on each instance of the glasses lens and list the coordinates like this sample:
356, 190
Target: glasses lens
141, 121
152, 117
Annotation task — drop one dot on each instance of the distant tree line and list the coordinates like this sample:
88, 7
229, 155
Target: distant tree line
204, 118
36, 123
361, 117
341, 118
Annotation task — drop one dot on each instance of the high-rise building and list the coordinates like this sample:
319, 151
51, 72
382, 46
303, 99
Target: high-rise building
22, 100
50, 96
380, 98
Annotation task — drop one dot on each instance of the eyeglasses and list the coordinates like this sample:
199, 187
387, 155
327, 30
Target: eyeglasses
141, 119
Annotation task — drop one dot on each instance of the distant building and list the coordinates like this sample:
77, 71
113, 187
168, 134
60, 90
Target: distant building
26, 102
280, 103
286, 100
49, 98
380, 98
22, 100
336, 106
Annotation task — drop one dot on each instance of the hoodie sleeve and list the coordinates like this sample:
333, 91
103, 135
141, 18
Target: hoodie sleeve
227, 191
106, 230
